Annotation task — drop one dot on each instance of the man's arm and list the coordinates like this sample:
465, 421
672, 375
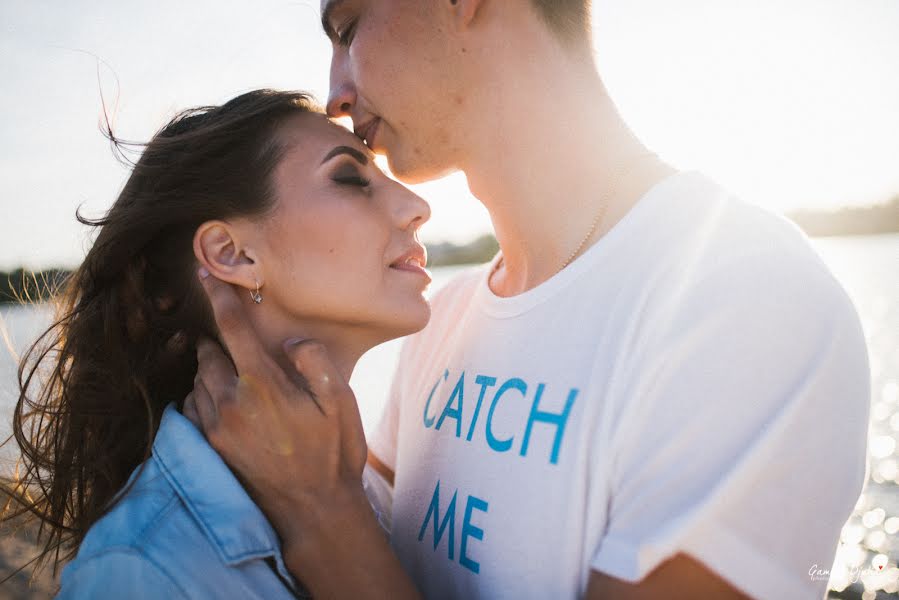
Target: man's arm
340, 551
681, 576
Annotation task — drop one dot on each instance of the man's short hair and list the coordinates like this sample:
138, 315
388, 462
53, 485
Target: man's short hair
569, 19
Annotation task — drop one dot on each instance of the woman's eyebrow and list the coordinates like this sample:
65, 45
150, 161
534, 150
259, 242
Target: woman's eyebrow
360, 157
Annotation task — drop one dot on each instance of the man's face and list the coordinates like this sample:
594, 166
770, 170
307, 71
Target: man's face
397, 70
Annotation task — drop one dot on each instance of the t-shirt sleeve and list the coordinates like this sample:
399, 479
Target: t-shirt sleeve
743, 434
118, 574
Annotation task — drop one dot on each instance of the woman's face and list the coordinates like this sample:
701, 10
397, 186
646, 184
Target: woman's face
341, 248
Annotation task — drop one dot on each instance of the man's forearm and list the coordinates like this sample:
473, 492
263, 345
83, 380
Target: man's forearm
338, 550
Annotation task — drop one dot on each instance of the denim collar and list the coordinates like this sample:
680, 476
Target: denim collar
232, 522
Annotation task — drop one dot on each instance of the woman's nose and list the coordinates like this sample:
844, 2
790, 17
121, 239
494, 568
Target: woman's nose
413, 211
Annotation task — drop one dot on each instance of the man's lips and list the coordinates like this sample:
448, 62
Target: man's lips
367, 130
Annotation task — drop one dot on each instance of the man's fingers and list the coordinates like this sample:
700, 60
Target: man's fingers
214, 367
311, 360
204, 405
230, 315
333, 396
189, 410
352, 434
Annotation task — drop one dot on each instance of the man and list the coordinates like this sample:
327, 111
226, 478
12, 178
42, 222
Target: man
655, 389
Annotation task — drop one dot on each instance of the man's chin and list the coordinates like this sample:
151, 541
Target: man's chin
414, 170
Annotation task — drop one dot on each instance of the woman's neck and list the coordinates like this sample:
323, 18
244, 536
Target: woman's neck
345, 344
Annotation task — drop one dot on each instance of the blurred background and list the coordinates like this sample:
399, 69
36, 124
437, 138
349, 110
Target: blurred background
792, 104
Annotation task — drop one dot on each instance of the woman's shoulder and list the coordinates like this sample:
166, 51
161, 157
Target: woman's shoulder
183, 512
152, 518
120, 572
145, 504
132, 542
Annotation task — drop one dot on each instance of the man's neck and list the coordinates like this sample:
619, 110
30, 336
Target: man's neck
548, 158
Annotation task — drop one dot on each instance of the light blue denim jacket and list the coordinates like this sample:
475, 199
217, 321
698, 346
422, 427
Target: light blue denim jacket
185, 529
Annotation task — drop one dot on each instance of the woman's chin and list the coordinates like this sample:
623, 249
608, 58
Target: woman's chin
414, 319
425, 318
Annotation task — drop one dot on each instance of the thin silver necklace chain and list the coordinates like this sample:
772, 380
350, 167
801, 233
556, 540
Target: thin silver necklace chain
624, 169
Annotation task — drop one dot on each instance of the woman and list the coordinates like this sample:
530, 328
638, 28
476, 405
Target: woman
265, 193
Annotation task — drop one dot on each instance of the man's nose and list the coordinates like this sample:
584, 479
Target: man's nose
341, 101
342, 97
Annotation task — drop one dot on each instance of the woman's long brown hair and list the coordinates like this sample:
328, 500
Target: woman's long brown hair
93, 387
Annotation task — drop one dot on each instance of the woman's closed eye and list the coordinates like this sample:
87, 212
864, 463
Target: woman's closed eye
349, 175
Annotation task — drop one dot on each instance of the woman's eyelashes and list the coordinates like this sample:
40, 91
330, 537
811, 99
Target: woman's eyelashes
350, 175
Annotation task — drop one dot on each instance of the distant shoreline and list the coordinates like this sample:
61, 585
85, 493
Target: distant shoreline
868, 220
36, 286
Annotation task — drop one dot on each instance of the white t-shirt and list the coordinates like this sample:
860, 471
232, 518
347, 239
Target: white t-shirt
696, 382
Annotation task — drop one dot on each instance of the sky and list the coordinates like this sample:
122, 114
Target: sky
788, 103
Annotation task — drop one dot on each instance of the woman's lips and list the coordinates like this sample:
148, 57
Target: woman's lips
412, 267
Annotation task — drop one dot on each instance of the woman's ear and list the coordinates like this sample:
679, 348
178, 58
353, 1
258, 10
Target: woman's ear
218, 246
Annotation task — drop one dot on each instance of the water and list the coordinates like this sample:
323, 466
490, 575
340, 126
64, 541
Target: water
866, 266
